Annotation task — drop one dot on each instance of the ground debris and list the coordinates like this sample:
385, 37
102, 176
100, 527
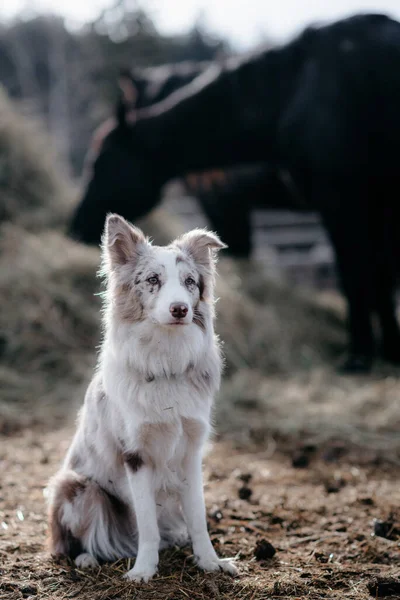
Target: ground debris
264, 550
315, 535
380, 587
388, 529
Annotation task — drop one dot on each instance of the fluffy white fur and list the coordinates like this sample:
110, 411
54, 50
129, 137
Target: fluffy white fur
131, 482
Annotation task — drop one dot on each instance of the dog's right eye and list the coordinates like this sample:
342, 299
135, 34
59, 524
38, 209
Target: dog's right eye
153, 280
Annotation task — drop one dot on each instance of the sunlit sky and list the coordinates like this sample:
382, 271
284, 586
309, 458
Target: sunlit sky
244, 22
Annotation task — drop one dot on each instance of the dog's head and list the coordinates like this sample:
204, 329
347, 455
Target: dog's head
170, 286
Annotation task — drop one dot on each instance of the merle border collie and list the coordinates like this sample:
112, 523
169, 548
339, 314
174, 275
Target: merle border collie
131, 483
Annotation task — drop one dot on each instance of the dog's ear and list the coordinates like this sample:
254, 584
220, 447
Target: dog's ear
201, 245
121, 241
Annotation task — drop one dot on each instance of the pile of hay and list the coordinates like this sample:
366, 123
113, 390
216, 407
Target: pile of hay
49, 323
316, 405
34, 190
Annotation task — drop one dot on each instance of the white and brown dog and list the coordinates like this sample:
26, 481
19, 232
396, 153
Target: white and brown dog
131, 482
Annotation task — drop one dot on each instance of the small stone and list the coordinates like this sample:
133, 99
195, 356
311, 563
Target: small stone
245, 477
333, 453
384, 529
332, 488
310, 448
277, 520
321, 557
367, 501
28, 590
264, 550
300, 460
379, 587
245, 493
216, 515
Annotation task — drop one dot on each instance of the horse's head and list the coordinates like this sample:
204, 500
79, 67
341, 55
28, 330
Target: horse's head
119, 175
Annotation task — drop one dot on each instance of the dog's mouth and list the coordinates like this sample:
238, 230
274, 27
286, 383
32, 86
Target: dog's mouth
178, 322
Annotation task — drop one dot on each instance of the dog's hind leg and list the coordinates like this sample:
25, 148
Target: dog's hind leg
87, 523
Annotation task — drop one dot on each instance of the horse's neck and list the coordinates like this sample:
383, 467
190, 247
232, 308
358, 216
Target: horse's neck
216, 121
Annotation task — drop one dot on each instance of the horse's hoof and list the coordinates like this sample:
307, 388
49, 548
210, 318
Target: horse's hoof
355, 364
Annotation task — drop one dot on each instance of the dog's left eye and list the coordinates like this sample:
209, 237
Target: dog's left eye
153, 280
190, 281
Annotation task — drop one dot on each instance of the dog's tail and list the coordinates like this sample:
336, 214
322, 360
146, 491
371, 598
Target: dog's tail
83, 517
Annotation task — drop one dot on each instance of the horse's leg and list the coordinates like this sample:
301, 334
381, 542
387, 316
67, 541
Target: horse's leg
386, 309
347, 221
386, 217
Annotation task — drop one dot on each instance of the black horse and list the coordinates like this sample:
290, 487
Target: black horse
326, 108
234, 190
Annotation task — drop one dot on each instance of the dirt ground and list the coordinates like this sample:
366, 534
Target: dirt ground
300, 521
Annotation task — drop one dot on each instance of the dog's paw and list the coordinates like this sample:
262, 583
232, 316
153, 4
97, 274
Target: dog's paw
141, 573
217, 564
86, 561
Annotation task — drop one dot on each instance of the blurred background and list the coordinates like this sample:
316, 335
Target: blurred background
282, 408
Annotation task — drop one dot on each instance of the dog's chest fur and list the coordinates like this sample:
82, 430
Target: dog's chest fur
133, 417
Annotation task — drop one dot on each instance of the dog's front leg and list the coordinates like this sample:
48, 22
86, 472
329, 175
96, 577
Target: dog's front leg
142, 489
194, 509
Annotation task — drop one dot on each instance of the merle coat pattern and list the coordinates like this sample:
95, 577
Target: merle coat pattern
324, 106
131, 482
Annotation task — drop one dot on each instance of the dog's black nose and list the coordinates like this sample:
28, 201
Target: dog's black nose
178, 310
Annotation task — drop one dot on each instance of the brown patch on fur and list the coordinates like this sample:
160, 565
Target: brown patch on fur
193, 429
153, 436
201, 288
127, 303
198, 318
70, 488
133, 460
114, 510
94, 501
201, 246
119, 507
148, 432
121, 241
60, 538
